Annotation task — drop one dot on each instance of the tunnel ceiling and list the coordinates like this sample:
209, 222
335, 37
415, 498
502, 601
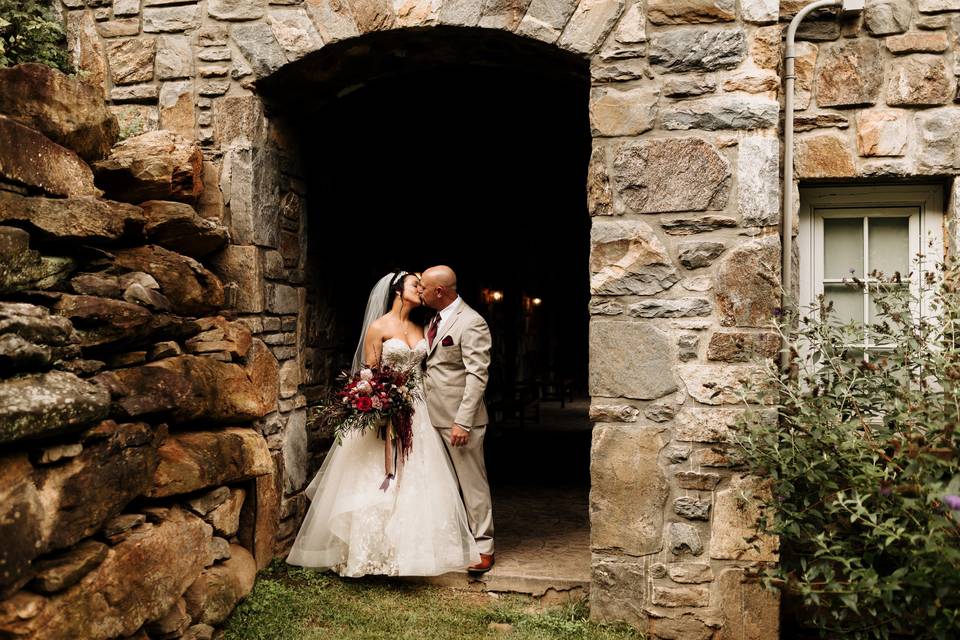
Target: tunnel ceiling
309, 84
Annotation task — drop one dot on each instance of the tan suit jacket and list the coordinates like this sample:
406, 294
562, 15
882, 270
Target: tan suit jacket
456, 373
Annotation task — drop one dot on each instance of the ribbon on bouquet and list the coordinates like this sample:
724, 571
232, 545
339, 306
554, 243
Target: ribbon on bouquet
390, 455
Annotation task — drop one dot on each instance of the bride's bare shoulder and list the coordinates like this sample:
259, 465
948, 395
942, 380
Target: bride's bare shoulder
380, 327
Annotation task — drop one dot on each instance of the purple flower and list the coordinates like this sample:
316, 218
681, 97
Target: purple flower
885, 490
953, 502
777, 312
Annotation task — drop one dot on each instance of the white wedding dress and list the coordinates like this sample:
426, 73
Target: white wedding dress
417, 527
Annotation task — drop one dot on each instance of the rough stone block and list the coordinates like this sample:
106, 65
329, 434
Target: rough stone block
742, 346
294, 32
630, 360
628, 258
629, 490
884, 17
131, 59
171, 19
748, 282
218, 590
191, 461
690, 11
145, 575
697, 49
721, 112
679, 174
758, 181
723, 384
619, 112
736, 515
334, 20
47, 404
919, 80
939, 152
750, 612
158, 165
681, 596
684, 538
849, 73
69, 112
823, 155
617, 592
31, 159
589, 25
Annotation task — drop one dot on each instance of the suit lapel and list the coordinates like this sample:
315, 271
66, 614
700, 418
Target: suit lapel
444, 331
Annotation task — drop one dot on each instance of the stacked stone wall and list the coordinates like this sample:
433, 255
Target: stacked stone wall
684, 192
683, 186
138, 497
878, 94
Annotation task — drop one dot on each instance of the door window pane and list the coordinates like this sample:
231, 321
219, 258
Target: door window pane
842, 248
847, 302
890, 246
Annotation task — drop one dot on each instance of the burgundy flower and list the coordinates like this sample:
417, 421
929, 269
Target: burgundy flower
364, 403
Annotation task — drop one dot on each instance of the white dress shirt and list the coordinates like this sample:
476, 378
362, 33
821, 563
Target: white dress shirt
445, 314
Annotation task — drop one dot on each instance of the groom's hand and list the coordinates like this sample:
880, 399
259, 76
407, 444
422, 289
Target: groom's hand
459, 436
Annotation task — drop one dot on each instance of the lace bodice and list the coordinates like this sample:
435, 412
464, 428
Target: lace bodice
399, 355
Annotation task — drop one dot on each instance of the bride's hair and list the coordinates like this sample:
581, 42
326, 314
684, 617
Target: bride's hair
397, 282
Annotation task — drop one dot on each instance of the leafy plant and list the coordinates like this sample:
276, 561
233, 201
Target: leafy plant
31, 31
864, 464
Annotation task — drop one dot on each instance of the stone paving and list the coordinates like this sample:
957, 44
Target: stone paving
543, 544
543, 532
541, 516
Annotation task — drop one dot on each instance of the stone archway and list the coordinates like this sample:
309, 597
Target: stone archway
667, 166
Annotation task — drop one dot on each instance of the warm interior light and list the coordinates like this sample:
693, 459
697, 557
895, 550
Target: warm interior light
497, 296
537, 302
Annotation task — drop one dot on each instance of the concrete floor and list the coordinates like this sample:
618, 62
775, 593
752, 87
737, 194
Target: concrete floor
539, 475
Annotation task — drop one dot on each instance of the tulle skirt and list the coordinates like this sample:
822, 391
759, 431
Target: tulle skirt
417, 527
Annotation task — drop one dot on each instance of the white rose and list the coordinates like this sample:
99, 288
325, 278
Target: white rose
366, 374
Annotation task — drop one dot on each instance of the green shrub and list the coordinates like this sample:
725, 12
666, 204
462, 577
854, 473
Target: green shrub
30, 31
863, 463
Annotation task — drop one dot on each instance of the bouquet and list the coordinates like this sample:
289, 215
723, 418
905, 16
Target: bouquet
378, 398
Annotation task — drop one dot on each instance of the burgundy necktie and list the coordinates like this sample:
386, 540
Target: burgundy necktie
432, 331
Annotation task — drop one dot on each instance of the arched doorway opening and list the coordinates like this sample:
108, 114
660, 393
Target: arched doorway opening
465, 147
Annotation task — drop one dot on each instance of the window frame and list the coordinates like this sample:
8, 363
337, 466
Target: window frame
927, 199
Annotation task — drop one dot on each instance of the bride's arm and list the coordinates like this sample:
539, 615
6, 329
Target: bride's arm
373, 345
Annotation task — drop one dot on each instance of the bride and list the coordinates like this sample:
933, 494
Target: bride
416, 525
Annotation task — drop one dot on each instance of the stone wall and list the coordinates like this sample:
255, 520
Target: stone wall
683, 184
877, 96
684, 192
137, 498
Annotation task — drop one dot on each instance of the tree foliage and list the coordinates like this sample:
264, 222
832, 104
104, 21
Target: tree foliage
31, 31
864, 465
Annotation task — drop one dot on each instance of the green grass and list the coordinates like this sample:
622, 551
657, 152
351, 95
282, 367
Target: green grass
290, 603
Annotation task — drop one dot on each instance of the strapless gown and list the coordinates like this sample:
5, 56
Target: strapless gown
417, 527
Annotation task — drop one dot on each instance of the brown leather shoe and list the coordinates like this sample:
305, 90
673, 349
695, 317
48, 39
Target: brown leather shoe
485, 564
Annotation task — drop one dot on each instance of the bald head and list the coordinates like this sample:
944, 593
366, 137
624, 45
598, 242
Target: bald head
441, 275
438, 287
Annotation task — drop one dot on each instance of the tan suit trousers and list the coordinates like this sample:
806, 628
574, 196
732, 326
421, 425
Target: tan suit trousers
472, 475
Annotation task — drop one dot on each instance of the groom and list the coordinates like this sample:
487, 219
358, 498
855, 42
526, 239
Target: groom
458, 357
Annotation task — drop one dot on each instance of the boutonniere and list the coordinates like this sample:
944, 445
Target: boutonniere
447, 341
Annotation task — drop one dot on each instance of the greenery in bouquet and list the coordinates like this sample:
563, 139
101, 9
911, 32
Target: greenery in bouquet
865, 467
376, 398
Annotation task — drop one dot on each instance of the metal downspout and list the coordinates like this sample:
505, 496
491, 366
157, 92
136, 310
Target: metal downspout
786, 225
